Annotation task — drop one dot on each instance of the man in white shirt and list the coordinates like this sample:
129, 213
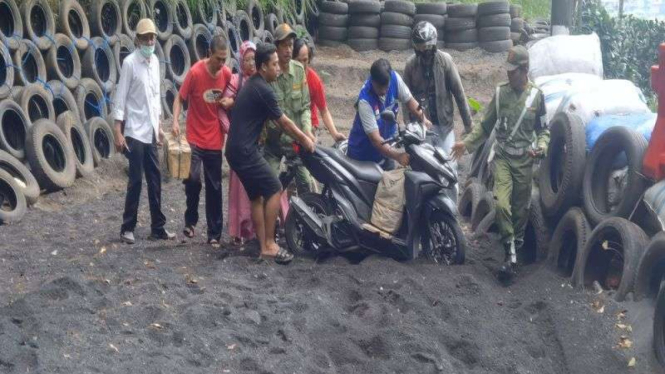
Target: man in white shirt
137, 103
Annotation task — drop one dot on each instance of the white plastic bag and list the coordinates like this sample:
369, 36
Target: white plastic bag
556, 87
566, 54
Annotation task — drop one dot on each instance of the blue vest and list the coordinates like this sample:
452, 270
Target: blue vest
360, 147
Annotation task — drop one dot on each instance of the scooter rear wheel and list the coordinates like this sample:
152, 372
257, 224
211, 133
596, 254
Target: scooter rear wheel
300, 242
444, 242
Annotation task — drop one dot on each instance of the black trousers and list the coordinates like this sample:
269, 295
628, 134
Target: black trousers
211, 163
143, 159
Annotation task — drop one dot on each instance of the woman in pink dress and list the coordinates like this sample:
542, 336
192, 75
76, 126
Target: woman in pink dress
240, 208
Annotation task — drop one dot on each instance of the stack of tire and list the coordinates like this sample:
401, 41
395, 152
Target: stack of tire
494, 23
517, 24
364, 22
396, 25
333, 22
460, 29
434, 13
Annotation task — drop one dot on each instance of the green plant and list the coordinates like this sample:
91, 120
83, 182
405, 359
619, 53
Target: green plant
531, 9
629, 45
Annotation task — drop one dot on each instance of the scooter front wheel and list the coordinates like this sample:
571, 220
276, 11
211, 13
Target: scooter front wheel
443, 241
298, 240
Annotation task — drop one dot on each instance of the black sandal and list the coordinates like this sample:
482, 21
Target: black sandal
188, 231
283, 257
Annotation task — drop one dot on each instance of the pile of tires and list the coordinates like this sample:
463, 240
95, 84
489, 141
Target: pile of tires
494, 24
460, 29
517, 23
396, 24
333, 22
436, 14
364, 22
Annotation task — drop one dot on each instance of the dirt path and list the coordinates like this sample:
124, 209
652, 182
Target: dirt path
75, 300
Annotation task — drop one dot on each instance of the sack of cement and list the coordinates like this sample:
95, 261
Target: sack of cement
389, 201
178, 156
566, 54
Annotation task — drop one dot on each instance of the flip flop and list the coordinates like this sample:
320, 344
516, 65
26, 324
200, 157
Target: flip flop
283, 257
188, 231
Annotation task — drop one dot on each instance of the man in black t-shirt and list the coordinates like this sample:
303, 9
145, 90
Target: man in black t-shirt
256, 103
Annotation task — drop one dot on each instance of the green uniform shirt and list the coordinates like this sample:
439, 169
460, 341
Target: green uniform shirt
293, 98
511, 104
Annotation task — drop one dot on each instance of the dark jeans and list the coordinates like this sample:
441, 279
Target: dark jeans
143, 158
211, 162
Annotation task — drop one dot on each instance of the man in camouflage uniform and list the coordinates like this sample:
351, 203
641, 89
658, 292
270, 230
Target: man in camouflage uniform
517, 115
293, 98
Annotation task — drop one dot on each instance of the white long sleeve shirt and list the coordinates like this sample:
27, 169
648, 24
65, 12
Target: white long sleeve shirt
137, 98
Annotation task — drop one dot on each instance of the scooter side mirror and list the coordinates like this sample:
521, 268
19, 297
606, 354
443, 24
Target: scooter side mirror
388, 116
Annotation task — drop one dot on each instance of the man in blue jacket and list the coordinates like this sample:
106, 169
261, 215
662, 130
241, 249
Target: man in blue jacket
384, 90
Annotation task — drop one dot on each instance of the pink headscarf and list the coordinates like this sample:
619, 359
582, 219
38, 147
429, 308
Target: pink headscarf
246, 46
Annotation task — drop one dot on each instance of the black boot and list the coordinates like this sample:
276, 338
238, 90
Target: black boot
507, 270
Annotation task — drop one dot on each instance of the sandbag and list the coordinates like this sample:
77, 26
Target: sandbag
566, 54
556, 87
389, 201
642, 123
613, 96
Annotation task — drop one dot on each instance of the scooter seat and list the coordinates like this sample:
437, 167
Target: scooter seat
364, 170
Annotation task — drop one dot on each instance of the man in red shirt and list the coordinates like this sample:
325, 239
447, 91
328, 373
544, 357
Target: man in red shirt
203, 88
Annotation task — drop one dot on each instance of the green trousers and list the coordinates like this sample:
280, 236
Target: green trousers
513, 178
274, 155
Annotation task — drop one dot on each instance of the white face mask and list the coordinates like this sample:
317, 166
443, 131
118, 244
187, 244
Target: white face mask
147, 50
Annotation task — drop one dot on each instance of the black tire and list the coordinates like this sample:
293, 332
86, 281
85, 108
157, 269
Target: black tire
515, 11
182, 18
233, 38
461, 46
18, 170
268, 37
364, 7
493, 7
159, 52
367, 20
568, 242
205, 13
487, 224
73, 22
78, 140
497, 46
334, 20
11, 31
12, 201
230, 8
299, 12
440, 9
243, 25
168, 92
50, 157
99, 64
292, 229
598, 169
462, 10
471, 196
600, 254
436, 20
132, 12
537, 233
363, 45
63, 99
459, 24
517, 24
493, 34
37, 102
14, 129
483, 207
562, 170
90, 100
178, 60
101, 138
39, 23
7, 73
106, 20
659, 328
400, 6
392, 44
651, 269
398, 19
335, 7
162, 14
396, 32
495, 20
63, 62
32, 66
256, 17
464, 36
338, 34
360, 32
271, 22
447, 225
199, 44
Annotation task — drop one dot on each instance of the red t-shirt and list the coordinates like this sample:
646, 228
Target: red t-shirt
317, 95
202, 90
